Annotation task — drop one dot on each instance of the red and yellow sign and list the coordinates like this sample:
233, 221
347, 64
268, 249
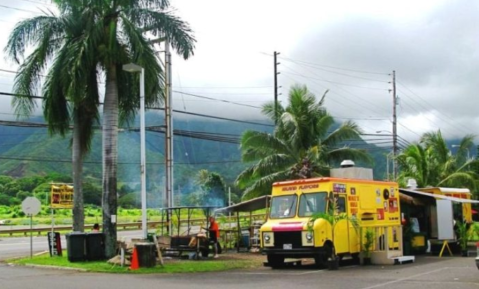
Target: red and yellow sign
61, 196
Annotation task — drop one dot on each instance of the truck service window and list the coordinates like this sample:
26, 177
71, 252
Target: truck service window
283, 207
312, 203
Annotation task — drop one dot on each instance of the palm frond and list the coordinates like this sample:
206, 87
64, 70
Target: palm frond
44, 32
262, 186
256, 145
347, 131
167, 25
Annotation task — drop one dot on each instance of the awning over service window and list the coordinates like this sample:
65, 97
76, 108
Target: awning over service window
413, 193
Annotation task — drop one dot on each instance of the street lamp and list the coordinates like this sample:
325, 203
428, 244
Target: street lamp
458, 146
131, 67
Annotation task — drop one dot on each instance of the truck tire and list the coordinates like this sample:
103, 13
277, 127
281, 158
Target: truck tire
321, 260
275, 261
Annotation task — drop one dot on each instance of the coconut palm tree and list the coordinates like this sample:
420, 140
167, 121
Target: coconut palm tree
431, 163
87, 41
302, 144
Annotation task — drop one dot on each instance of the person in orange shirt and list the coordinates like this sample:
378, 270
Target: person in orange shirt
214, 230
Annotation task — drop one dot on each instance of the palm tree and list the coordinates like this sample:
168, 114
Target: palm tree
48, 34
431, 163
300, 146
88, 40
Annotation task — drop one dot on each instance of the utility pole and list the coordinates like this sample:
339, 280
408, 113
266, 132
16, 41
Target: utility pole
168, 134
276, 86
395, 137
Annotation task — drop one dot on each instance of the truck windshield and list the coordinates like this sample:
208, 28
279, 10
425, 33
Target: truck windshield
283, 207
312, 203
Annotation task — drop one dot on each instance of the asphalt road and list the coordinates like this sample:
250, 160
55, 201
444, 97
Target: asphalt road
427, 272
18, 247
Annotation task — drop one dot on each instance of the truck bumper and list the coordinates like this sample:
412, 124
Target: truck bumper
306, 252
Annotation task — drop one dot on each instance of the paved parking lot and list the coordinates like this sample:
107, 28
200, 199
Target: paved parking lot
427, 272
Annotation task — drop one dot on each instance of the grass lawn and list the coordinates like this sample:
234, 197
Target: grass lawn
171, 266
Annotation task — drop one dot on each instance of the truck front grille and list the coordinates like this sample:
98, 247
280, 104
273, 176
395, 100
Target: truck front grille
293, 238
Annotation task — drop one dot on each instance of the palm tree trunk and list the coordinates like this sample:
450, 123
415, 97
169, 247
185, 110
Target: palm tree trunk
77, 171
110, 154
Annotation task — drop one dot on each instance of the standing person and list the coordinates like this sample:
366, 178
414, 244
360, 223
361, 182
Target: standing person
96, 228
214, 230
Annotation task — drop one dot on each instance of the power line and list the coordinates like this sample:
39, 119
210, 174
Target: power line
334, 92
225, 87
37, 2
428, 108
18, 9
341, 83
409, 129
335, 67
215, 99
157, 108
334, 72
99, 162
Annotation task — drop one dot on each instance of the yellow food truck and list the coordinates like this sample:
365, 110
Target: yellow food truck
365, 202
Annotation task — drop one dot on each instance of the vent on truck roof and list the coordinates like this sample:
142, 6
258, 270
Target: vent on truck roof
349, 171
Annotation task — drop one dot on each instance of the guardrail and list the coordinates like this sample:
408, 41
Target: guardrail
123, 226
39, 231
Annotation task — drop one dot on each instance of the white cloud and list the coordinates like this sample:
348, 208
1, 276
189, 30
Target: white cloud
431, 44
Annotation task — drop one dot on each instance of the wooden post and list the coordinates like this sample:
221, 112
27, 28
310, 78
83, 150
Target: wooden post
239, 232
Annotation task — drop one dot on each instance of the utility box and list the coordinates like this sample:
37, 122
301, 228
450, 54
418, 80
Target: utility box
95, 246
76, 246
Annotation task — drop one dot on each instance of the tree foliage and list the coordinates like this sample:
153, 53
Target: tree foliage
431, 163
302, 145
88, 40
212, 190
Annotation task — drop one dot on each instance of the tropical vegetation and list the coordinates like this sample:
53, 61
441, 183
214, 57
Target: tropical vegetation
431, 163
303, 144
211, 190
87, 41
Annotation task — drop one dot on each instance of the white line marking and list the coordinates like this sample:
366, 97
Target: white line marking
403, 279
310, 272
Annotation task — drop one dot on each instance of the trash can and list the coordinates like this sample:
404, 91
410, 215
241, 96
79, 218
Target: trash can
95, 246
245, 239
146, 254
150, 236
76, 246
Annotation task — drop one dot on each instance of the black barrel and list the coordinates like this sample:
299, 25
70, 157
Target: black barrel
146, 254
76, 246
95, 246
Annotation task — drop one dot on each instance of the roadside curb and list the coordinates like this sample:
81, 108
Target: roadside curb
50, 267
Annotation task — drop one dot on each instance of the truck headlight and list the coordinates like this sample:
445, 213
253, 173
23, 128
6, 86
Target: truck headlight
268, 239
309, 236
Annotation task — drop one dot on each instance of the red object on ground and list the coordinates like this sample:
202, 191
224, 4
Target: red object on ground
134, 260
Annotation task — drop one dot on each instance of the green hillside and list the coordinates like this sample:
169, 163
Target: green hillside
33, 152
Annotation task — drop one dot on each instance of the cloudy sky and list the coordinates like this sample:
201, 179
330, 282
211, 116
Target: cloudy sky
347, 47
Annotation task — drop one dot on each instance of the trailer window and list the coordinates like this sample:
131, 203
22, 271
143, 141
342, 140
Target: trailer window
283, 207
312, 203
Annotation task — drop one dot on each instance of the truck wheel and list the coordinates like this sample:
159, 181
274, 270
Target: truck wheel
275, 261
321, 260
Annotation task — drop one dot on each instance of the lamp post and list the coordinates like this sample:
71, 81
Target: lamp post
458, 146
131, 67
